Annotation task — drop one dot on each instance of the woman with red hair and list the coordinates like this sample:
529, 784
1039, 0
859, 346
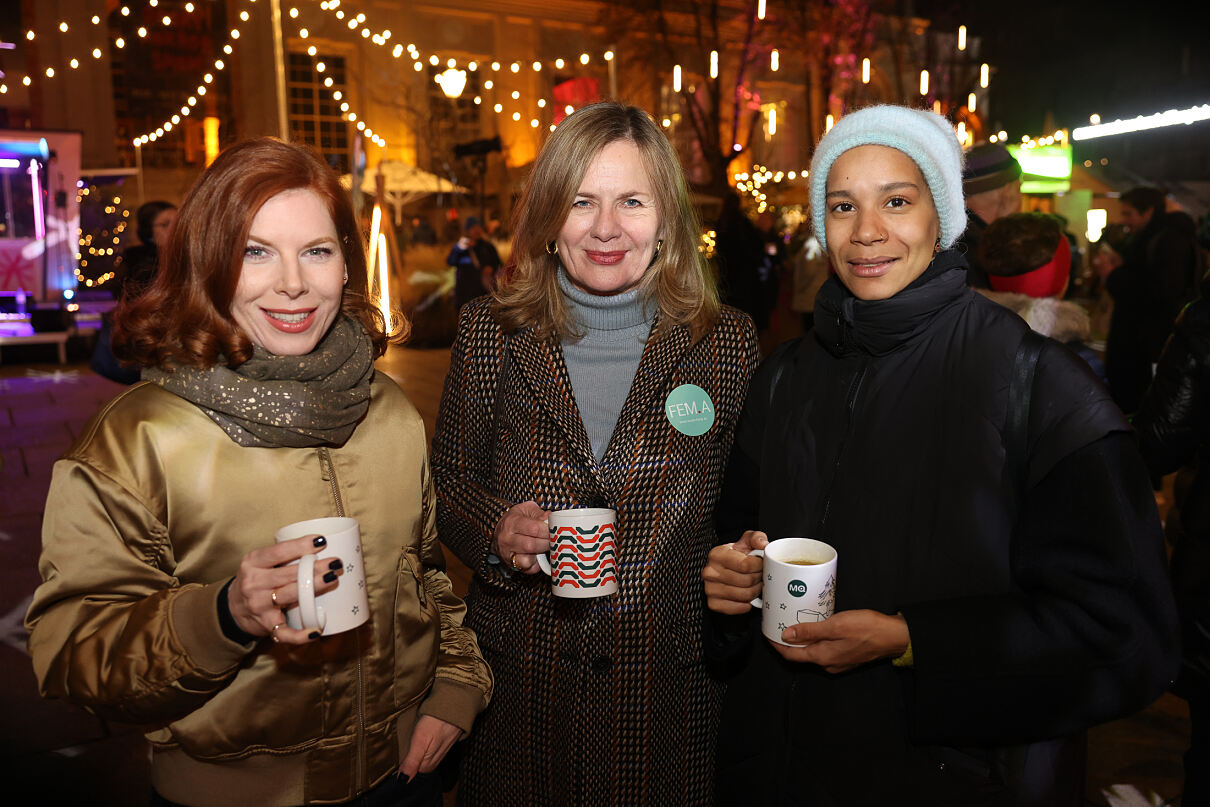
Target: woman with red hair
163, 591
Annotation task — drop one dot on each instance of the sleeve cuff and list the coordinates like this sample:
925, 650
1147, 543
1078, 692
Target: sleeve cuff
194, 616
226, 621
906, 660
455, 703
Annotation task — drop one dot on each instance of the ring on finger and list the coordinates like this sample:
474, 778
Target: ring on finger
512, 561
273, 596
274, 632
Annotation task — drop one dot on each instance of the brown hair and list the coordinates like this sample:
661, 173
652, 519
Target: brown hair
679, 281
1019, 243
184, 316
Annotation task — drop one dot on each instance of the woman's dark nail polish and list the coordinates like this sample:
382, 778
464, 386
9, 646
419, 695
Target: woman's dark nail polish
334, 564
330, 577
313, 634
320, 541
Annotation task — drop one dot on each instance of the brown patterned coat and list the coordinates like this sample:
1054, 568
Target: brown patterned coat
600, 701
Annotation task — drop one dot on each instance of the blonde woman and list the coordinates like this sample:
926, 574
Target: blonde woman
557, 397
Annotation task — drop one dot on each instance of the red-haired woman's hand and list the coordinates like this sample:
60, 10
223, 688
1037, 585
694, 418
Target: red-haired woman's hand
266, 586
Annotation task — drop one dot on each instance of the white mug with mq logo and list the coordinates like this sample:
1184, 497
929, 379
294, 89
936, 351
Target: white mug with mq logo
798, 584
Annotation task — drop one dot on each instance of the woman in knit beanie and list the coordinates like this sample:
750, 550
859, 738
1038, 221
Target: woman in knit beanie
1000, 583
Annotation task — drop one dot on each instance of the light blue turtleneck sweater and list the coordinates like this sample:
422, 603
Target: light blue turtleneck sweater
602, 363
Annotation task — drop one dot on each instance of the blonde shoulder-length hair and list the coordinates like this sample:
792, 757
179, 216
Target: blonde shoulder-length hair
679, 281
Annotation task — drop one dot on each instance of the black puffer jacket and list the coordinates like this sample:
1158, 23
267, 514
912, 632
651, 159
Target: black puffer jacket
1174, 431
1158, 277
1034, 612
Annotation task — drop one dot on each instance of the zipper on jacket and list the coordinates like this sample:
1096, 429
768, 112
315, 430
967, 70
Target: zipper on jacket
850, 406
329, 471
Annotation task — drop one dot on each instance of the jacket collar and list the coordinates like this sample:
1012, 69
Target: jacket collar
878, 327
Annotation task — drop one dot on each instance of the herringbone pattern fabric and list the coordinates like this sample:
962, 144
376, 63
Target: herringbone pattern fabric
602, 701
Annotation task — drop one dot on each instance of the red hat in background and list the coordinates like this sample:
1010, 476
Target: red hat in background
1026, 253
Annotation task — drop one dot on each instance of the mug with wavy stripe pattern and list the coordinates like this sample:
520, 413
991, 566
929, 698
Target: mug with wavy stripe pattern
583, 553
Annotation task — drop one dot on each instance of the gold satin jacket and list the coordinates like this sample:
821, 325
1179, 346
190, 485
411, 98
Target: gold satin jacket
148, 516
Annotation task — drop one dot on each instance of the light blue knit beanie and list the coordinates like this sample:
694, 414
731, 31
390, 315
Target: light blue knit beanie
924, 136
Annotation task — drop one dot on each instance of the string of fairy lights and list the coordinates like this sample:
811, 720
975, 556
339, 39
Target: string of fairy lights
454, 72
75, 61
207, 79
103, 245
451, 79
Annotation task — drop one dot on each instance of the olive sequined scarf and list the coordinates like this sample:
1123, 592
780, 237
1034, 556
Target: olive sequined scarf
284, 401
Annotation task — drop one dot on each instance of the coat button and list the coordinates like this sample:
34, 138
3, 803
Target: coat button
601, 664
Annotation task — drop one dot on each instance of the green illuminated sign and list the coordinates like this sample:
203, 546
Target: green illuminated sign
1045, 169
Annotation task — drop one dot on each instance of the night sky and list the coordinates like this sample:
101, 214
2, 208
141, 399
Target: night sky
1076, 57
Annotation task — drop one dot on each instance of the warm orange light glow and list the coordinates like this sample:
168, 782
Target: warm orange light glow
210, 130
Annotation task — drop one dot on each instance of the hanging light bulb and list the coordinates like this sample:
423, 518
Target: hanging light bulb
452, 82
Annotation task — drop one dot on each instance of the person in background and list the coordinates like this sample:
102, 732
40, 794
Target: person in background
809, 268
137, 269
154, 224
1160, 271
1000, 582
559, 396
991, 184
163, 594
423, 232
745, 267
772, 270
1173, 426
1104, 255
475, 263
1027, 257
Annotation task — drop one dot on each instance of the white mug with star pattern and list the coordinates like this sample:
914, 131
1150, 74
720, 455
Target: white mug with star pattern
798, 584
344, 607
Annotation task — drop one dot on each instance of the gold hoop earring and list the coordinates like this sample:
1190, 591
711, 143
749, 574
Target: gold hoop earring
552, 248
656, 255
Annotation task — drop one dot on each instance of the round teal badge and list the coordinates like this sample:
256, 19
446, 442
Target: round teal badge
690, 410
796, 588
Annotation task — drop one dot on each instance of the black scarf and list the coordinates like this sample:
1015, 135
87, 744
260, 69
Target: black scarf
844, 323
